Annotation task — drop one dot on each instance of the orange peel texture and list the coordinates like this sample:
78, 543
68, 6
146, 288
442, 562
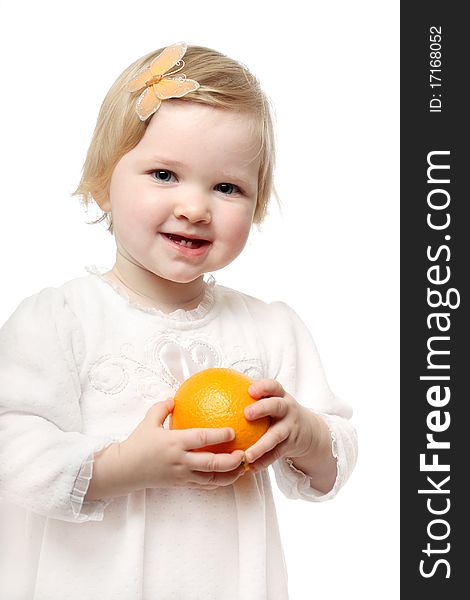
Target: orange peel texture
217, 398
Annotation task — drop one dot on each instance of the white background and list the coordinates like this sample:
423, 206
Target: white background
331, 252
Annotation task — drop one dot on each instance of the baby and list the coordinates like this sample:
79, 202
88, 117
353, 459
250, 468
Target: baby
109, 502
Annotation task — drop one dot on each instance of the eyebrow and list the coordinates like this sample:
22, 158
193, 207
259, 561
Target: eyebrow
238, 178
164, 161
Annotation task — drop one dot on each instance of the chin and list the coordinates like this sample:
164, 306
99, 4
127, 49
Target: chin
180, 278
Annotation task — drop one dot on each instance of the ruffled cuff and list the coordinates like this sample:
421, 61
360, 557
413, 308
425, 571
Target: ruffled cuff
296, 484
84, 510
344, 448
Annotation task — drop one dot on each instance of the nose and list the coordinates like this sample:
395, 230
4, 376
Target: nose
194, 207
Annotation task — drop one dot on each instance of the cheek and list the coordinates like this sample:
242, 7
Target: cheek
133, 207
127, 216
237, 229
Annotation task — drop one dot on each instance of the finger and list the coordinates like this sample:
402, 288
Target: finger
266, 460
198, 486
267, 407
264, 388
207, 462
267, 442
209, 480
159, 411
199, 437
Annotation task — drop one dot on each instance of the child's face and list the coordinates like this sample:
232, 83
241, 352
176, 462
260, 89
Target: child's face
193, 176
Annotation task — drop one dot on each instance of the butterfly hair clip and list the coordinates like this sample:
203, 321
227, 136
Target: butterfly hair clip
158, 83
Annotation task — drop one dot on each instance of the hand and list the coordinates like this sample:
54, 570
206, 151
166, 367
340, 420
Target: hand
154, 457
293, 431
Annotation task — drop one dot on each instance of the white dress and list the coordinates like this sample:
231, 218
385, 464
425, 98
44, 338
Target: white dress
79, 367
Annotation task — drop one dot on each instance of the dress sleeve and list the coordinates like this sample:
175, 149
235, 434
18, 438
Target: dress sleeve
295, 363
45, 459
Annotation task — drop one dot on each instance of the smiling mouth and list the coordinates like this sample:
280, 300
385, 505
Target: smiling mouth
193, 243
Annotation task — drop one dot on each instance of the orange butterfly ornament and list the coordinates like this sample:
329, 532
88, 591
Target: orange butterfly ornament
158, 83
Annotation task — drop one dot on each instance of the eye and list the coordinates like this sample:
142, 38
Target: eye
163, 175
227, 188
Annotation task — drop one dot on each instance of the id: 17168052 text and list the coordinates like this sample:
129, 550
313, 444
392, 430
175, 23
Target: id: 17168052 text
435, 70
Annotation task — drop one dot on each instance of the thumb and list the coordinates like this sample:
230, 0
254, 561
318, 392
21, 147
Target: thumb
160, 411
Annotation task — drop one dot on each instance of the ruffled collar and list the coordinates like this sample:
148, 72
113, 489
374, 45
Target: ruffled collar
180, 314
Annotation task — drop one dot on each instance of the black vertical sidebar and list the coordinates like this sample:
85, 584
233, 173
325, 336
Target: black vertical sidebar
435, 270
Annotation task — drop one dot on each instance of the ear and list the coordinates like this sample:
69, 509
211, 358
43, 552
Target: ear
101, 197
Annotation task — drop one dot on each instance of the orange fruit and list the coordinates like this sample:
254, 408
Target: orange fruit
216, 398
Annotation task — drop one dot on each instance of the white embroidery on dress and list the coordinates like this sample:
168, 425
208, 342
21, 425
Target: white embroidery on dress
177, 362
167, 360
111, 374
251, 367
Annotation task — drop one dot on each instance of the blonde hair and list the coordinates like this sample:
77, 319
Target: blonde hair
224, 83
